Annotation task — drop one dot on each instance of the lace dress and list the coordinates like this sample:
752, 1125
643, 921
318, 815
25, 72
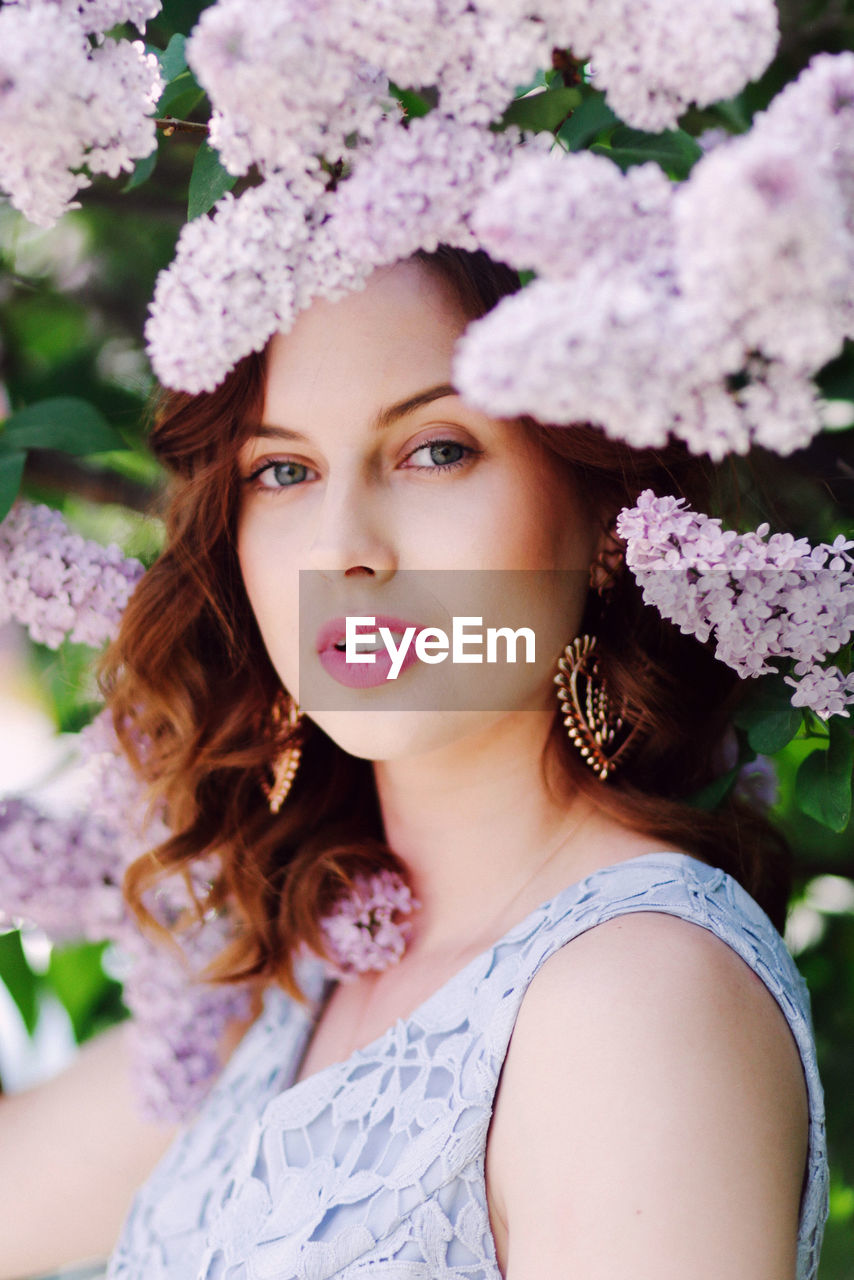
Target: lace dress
375, 1166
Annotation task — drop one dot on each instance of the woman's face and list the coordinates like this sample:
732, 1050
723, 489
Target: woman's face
370, 472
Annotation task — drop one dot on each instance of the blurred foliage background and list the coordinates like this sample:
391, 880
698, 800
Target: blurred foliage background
72, 307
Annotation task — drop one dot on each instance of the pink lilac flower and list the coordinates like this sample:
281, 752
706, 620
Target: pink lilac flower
58, 584
64, 104
363, 933
764, 598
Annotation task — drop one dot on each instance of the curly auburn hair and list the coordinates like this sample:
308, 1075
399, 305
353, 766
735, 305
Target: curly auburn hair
189, 677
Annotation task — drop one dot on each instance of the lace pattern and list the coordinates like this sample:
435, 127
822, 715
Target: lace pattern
375, 1166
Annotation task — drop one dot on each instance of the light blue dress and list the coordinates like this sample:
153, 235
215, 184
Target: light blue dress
375, 1166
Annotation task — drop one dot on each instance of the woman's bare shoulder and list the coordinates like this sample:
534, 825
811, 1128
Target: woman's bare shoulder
652, 1115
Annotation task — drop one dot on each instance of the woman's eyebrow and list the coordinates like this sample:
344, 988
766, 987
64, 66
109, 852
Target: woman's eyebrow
384, 419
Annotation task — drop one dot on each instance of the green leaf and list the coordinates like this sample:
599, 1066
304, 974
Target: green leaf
173, 58
587, 121
180, 97
823, 782
19, 979
414, 104
11, 475
76, 975
674, 150
208, 181
540, 111
143, 171
768, 717
65, 423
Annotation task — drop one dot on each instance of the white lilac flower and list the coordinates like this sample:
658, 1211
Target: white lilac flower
552, 212
764, 598
764, 255
544, 352
65, 104
654, 57
229, 287
416, 187
98, 16
284, 87
245, 273
475, 55
58, 584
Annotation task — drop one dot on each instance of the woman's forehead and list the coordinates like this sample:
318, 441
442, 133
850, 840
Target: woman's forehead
371, 348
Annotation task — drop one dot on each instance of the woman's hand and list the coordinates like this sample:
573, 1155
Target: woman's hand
651, 1119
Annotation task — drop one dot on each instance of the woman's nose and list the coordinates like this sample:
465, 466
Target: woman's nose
351, 532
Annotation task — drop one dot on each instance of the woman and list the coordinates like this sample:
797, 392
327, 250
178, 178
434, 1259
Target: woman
643, 1102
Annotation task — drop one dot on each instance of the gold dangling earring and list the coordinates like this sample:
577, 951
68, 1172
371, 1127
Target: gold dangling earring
285, 713
592, 724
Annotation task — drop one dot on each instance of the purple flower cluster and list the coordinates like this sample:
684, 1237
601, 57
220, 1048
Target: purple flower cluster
711, 303
266, 255
58, 584
299, 89
764, 598
64, 873
363, 932
66, 103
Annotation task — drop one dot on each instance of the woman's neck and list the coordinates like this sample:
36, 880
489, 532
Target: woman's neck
479, 830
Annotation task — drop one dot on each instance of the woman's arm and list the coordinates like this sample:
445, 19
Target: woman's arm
651, 1119
72, 1153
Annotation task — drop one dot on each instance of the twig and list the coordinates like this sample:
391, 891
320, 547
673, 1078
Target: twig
170, 125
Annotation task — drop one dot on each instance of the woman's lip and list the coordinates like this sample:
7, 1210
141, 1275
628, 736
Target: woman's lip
336, 629
363, 675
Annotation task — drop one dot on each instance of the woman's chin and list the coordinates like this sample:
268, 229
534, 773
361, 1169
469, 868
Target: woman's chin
374, 734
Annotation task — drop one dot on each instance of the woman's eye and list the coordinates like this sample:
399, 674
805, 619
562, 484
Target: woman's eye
280, 475
440, 455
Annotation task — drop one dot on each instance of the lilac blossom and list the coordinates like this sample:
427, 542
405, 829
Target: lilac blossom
653, 58
711, 303
763, 597
98, 16
363, 932
266, 255
284, 87
551, 212
64, 104
766, 258
474, 54
416, 188
58, 584
64, 873
229, 287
